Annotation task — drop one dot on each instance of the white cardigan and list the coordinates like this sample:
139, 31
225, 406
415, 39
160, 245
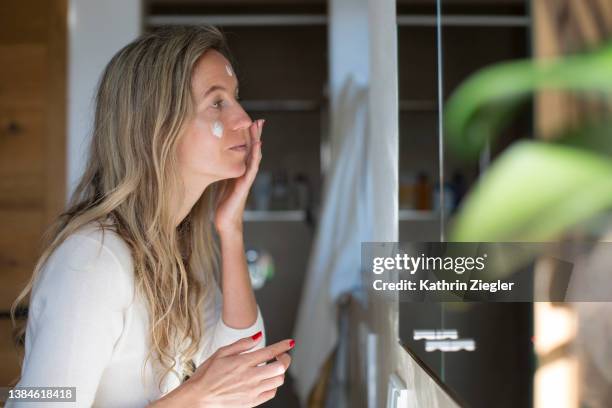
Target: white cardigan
86, 330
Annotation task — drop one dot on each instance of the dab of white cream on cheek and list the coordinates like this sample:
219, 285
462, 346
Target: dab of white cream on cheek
217, 129
229, 70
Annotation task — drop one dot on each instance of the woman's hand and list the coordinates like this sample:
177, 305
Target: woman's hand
231, 208
233, 378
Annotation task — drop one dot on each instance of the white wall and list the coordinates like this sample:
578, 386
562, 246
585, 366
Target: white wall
96, 30
348, 52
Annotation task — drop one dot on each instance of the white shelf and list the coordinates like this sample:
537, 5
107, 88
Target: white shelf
280, 215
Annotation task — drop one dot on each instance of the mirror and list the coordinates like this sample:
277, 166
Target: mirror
496, 370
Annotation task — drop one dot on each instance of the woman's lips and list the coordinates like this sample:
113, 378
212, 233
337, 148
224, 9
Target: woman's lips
239, 148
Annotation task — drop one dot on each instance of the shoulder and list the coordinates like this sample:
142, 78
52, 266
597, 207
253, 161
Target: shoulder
93, 243
92, 259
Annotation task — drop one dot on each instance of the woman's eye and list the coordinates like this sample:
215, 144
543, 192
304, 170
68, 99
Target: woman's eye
217, 104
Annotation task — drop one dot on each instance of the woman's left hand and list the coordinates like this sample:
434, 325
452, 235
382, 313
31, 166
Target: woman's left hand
228, 216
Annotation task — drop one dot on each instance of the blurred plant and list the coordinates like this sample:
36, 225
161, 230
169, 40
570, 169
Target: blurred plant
537, 188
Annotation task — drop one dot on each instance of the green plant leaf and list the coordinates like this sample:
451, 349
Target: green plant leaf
484, 103
594, 136
533, 192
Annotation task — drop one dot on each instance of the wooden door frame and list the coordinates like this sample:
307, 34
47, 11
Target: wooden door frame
56, 111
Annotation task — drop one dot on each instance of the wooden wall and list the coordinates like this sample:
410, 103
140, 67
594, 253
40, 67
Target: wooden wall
564, 27
32, 144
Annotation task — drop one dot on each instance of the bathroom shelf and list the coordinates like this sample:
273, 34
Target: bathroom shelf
418, 215
239, 19
321, 19
281, 105
299, 215
311, 105
270, 215
464, 21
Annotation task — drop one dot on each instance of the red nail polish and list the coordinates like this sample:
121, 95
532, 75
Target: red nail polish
256, 336
291, 343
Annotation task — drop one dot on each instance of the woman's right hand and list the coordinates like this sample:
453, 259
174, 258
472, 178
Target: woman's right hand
234, 377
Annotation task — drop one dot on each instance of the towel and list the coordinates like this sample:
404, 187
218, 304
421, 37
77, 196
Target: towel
346, 220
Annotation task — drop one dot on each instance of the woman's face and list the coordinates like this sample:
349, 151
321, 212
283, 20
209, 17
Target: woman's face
216, 140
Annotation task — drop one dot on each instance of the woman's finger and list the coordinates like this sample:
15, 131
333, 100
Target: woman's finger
270, 384
266, 371
254, 135
240, 346
269, 353
261, 125
258, 133
258, 146
252, 139
254, 160
264, 397
254, 157
285, 360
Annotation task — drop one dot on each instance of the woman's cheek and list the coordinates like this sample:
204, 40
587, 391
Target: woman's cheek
201, 143
217, 129
210, 124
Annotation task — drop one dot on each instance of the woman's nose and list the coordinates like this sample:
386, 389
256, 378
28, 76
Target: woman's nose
240, 119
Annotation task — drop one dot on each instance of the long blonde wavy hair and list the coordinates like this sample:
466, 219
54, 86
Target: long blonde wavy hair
143, 102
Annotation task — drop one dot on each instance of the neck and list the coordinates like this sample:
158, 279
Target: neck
194, 188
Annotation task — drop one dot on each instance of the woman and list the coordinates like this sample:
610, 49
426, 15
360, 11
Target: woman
124, 303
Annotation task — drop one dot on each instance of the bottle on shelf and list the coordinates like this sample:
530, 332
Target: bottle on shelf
300, 192
449, 198
261, 191
459, 188
422, 192
407, 191
280, 191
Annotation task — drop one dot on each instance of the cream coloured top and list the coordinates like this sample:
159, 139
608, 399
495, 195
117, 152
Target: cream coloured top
86, 329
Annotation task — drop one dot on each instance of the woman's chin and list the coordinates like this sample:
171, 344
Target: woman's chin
234, 171
238, 170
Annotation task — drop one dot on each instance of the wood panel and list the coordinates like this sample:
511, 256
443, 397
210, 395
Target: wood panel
22, 76
9, 361
566, 27
33, 44
292, 2
19, 248
22, 158
56, 110
24, 21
